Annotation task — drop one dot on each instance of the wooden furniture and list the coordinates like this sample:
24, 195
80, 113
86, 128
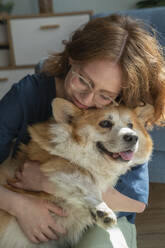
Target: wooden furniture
151, 224
45, 6
25, 40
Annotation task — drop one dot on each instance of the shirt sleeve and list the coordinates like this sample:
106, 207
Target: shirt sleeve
11, 116
27, 102
17, 108
134, 184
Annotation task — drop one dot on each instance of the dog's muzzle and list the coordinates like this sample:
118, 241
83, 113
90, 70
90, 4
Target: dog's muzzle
124, 156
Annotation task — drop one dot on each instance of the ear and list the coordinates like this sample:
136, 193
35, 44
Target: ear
64, 111
71, 62
145, 113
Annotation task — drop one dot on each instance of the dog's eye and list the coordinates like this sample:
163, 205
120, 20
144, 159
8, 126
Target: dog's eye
130, 125
105, 124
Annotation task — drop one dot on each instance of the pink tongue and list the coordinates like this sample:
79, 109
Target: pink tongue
126, 155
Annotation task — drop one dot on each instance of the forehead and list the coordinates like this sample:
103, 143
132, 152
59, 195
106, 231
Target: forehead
117, 114
105, 75
114, 114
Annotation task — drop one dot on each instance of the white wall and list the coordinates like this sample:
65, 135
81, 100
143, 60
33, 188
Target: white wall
24, 7
31, 6
95, 5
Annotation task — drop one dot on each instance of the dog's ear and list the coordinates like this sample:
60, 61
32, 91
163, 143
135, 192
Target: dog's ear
145, 113
64, 111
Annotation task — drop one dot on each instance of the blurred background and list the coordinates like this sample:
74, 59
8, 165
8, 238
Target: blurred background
31, 6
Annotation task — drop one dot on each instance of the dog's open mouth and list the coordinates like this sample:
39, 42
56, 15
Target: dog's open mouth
124, 156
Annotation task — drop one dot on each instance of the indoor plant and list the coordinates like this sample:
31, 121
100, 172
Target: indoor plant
6, 7
150, 3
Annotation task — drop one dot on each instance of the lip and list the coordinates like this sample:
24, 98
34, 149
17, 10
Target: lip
78, 104
123, 158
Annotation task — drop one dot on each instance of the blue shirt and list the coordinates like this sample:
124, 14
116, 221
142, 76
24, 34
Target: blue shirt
29, 102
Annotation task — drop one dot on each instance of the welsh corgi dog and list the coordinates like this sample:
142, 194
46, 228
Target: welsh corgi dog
82, 152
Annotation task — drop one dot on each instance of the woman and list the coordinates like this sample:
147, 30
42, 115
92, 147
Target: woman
109, 59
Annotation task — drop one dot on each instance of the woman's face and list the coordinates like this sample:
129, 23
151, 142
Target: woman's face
94, 84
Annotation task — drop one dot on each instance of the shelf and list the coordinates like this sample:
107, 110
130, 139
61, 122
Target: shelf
13, 67
4, 44
4, 17
8, 41
7, 17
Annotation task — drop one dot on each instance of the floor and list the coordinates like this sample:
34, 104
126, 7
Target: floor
151, 224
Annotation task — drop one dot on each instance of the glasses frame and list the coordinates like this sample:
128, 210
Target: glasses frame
74, 73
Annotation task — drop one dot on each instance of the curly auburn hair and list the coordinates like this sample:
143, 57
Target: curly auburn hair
125, 41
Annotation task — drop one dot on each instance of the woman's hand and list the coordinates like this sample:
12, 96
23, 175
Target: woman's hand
34, 216
30, 177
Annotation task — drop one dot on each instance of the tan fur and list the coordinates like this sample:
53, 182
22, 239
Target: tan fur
70, 156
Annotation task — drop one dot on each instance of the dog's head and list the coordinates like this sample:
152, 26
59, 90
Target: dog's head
117, 133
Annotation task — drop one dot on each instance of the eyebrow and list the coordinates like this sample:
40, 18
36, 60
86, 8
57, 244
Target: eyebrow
112, 94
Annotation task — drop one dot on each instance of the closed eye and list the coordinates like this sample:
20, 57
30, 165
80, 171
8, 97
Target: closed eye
105, 124
104, 97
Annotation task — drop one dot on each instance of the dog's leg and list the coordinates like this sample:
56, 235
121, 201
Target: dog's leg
67, 179
102, 215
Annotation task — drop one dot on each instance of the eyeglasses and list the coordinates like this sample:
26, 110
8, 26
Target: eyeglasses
82, 86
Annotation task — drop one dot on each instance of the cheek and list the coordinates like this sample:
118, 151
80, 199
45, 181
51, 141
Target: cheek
67, 85
69, 91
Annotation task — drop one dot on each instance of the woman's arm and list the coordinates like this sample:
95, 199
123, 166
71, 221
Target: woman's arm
121, 203
131, 191
114, 199
30, 177
32, 214
8, 200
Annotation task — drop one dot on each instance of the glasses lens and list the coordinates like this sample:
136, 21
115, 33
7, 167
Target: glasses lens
103, 99
79, 83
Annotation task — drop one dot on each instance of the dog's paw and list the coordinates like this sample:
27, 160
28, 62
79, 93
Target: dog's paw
104, 216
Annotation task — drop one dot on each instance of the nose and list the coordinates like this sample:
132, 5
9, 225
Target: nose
130, 138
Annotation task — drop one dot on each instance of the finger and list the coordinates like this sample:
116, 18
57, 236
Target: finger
27, 164
18, 175
42, 238
32, 237
11, 180
34, 240
16, 184
23, 166
50, 234
57, 210
57, 228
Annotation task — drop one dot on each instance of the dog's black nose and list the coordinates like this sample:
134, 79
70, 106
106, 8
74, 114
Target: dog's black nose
131, 138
